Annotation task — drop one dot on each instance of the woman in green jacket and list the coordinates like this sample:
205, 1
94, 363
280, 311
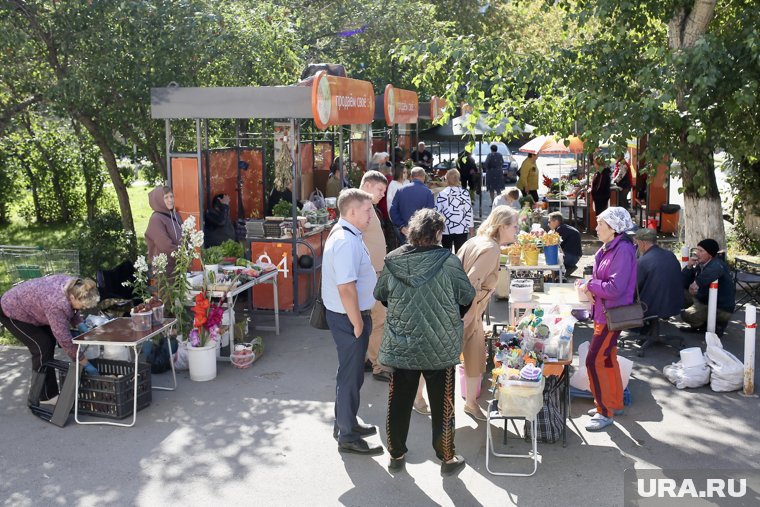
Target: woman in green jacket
427, 292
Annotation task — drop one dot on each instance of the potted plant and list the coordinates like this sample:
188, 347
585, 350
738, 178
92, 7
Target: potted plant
529, 246
282, 209
142, 313
211, 258
231, 250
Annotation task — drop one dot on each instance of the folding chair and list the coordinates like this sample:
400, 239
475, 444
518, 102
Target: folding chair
747, 280
652, 337
494, 415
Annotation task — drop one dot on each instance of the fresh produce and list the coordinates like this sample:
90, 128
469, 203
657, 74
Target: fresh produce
213, 255
231, 248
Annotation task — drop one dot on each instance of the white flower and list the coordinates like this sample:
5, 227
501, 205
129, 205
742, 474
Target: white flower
196, 239
188, 225
141, 266
159, 263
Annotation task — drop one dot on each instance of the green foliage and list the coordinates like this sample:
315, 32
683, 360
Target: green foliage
102, 243
743, 177
282, 209
231, 248
213, 255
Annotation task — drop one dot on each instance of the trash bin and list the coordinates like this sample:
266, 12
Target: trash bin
669, 215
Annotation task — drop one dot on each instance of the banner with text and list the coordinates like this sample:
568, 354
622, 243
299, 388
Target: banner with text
401, 106
341, 101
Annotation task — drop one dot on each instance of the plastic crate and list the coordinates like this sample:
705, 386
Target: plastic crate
112, 397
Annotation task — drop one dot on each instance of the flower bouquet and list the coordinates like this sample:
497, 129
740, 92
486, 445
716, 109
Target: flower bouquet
514, 252
529, 247
206, 322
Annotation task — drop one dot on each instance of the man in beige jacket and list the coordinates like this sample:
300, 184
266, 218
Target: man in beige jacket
374, 183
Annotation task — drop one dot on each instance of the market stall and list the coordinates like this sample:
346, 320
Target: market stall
292, 243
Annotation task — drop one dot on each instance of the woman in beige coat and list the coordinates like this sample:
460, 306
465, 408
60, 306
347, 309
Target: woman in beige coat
480, 258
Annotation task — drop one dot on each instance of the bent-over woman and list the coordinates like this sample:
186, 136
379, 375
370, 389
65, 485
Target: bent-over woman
40, 312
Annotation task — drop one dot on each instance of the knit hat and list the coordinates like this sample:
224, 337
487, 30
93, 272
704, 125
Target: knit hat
646, 235
617, 218
710, 245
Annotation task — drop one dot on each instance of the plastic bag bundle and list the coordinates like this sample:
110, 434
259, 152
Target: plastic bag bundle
521, 400
727, 372
687, 376
579, 379
180, 356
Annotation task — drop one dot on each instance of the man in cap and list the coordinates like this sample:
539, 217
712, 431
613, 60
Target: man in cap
697, 276
658, 277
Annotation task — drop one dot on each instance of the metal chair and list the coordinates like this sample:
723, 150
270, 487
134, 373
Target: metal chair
747, 280
652, 336
494, 415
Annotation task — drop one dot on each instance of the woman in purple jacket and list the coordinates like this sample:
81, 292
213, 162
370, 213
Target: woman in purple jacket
613, 284
40, 312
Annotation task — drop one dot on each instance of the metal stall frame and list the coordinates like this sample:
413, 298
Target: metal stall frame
292, 103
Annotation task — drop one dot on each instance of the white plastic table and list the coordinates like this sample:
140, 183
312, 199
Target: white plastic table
120, 332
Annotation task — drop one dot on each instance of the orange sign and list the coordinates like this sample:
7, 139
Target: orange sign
437, 106
341, 101
401, 106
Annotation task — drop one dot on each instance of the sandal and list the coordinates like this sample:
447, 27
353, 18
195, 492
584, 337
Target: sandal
452, 466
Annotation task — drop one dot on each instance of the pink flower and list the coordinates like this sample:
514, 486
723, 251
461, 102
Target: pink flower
194, 337
214, 317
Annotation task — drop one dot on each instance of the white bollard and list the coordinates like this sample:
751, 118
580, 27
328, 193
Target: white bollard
750, 328
684, 256
712, 306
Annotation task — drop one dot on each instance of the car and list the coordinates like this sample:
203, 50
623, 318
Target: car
480, 151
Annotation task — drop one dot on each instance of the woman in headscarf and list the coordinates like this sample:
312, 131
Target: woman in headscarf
164, 227
613, 284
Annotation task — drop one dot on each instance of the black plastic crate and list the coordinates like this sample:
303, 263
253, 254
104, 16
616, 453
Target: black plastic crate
111, 397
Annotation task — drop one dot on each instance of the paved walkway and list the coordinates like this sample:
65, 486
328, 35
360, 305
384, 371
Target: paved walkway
263, 436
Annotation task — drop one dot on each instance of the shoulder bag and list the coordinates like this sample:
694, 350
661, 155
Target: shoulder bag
318, 317
626, 316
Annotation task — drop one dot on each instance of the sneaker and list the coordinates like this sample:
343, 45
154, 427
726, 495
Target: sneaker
421, 407
476, 413
599, 422
593, 412
453, 465
396, 464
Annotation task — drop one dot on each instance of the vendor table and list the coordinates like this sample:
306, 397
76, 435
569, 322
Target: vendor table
541, 266
554, 294
268, 277
120, 332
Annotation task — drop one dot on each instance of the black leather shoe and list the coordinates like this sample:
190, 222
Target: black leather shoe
396, 464
360, 447
454, 467
363, 430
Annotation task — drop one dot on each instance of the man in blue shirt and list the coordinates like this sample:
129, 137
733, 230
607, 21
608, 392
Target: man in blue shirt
571, 241
348, 283
409, 199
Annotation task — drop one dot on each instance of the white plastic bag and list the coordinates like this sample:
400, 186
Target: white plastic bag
693, 376
727, 372
579, 379
180, 357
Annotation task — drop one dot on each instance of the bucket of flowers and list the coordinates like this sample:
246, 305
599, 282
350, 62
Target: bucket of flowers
203, 338
529, 246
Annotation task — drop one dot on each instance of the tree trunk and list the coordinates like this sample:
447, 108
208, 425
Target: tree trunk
113, 171
33, 187
703, 213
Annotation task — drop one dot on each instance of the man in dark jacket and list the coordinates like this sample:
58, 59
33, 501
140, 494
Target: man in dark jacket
658, 276
571, 241
697, 276
217, 227
409, 199
422, 157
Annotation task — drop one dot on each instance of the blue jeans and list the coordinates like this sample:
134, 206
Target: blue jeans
350, 376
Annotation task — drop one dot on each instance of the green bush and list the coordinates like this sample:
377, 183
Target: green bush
102, 243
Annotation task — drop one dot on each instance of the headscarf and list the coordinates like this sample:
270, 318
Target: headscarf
617, 218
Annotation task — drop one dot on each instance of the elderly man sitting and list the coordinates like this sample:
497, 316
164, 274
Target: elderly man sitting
658, 277
697, 276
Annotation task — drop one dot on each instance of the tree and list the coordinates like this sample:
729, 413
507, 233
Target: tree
623, 70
